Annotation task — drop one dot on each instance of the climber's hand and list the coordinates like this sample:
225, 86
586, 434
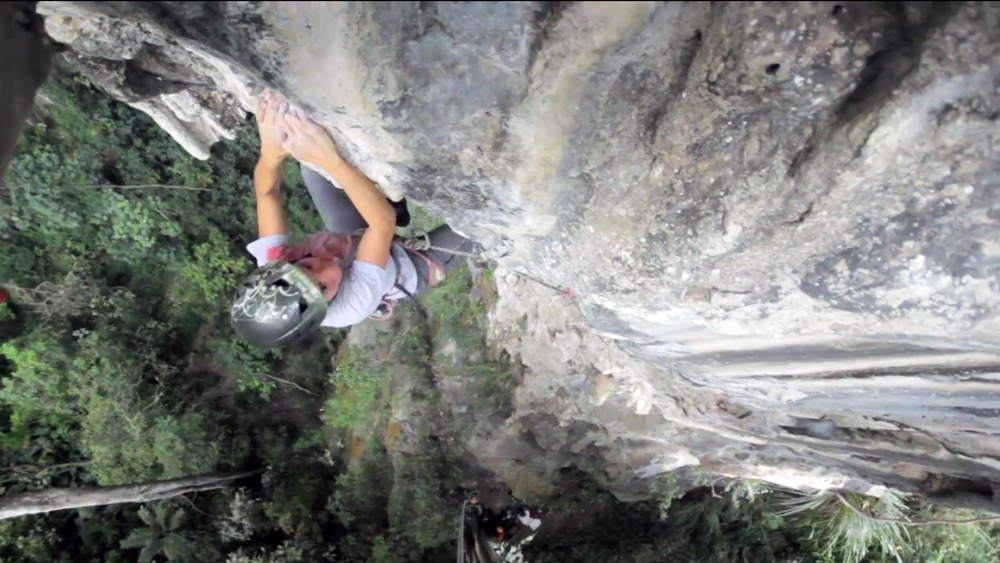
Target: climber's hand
306, 140
270, 125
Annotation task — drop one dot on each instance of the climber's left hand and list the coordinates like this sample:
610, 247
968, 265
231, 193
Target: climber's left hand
270, 125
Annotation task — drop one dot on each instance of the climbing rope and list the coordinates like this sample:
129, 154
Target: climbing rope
461, 534
423, 244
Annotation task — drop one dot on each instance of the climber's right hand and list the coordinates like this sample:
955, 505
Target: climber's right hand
270, 126
309, 141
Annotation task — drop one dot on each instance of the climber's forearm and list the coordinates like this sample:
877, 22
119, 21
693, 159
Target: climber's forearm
267, 174
363, 193
267, 188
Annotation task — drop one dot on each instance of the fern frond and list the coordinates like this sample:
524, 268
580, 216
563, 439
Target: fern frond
177, 520
138, 538
149, 552
147, 517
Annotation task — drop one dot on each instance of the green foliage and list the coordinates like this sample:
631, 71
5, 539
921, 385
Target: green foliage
83, 142
963, 543
725, 520
29, 540
284, 553
494, 380
363, 489
748, 521
383, 551
40, 382
214, 270
665, 490
100, 391
120, 354
407, 493
295, 502
181, 446
455, 313
164, 533
734, 523
127, 430
6, 314
357, 383
456, 316
417, 484
243, 518
421, 222
251, 365
836, 532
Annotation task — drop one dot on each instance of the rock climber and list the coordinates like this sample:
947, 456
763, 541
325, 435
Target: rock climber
356, 269
493, 525
503, 526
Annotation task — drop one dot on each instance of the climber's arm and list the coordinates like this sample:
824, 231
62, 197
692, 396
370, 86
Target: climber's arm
376, 242
267, 188
310, 142
267, 174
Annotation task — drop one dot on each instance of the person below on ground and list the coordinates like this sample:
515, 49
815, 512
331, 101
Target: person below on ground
354, 270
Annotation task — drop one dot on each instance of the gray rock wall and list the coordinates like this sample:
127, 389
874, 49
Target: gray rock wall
25, 59
793, 205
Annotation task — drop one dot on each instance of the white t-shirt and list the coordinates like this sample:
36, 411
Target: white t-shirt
363, 286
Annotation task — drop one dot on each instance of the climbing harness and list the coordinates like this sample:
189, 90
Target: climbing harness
419, 246
435, 275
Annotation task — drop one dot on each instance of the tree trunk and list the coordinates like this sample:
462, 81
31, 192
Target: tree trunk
49, 500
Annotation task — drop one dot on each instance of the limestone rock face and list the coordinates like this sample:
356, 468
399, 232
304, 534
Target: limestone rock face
790, 208
584, 402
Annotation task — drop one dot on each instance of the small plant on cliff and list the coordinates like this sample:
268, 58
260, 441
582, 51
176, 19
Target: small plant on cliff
357, 383
837, 532
666, 491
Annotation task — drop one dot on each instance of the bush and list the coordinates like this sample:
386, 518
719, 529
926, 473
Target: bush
251, 365
357, 386
40, 384
214, 270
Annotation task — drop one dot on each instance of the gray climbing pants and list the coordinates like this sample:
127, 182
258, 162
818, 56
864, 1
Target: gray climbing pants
340, 216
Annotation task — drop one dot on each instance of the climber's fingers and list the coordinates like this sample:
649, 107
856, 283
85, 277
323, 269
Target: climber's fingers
265, 102
294, 123
280, 110
304, 117
273, 109
270, 109
284, 108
